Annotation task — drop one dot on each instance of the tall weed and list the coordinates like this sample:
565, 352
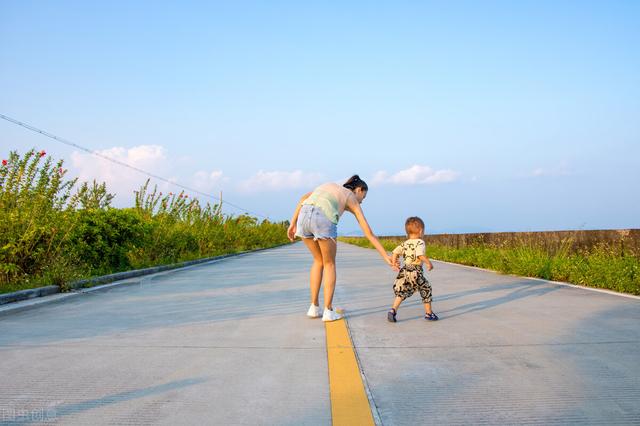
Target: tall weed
50, 234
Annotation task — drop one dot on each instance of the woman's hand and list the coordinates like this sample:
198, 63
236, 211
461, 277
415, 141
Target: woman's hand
291, 232
390, 262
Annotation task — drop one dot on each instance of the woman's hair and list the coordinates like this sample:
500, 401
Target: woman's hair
355, 182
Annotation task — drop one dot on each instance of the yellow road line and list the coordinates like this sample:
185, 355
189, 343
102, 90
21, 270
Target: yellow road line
349, 402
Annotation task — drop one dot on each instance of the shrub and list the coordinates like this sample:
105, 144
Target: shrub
102, 238
51, 235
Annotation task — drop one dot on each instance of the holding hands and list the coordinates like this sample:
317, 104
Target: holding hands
393, 262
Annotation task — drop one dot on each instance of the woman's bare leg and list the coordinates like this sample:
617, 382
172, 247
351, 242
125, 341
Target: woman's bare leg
315, 275
328, 248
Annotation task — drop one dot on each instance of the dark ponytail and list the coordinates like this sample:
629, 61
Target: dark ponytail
355, 182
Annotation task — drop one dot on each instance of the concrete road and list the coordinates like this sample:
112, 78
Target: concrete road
229, 343
507, 350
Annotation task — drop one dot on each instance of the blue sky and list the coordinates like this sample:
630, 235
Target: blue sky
476, 116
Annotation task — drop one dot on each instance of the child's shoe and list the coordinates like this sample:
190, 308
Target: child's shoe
330, 315
391, 315
314, 311
431, 317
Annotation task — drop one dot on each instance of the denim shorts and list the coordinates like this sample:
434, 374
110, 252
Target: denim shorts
313, 223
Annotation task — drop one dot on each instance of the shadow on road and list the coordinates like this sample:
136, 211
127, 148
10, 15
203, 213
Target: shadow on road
55, 412
521, 290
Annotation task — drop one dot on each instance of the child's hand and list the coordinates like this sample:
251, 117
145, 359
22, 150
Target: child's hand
427, 262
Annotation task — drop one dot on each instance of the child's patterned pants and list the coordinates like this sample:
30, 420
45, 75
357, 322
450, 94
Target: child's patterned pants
411, 279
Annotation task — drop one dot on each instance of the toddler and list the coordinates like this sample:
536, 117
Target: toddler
411, 277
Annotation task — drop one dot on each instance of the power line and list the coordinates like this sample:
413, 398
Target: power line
121, 163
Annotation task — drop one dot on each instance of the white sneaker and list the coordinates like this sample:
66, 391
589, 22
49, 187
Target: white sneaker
330, 315
314, 311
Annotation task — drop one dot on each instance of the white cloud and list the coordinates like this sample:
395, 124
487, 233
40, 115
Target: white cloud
279, 180
415, 175
119, 179
209, 181
559, 170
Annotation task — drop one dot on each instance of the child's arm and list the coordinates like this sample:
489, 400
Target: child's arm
427, 262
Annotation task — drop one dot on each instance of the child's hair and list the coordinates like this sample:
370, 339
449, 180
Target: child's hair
413, 225
355, 182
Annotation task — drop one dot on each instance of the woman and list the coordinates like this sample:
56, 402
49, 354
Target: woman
315, 220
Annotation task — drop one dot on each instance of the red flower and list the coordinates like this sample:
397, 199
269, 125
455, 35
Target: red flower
5, 162
42, 153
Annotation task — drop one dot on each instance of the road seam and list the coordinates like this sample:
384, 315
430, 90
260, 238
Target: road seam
107, 346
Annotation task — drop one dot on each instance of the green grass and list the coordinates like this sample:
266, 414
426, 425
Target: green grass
601, 266
52, 233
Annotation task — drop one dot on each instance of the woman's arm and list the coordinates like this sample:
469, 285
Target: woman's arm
291, 232
354, 207
395, 264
